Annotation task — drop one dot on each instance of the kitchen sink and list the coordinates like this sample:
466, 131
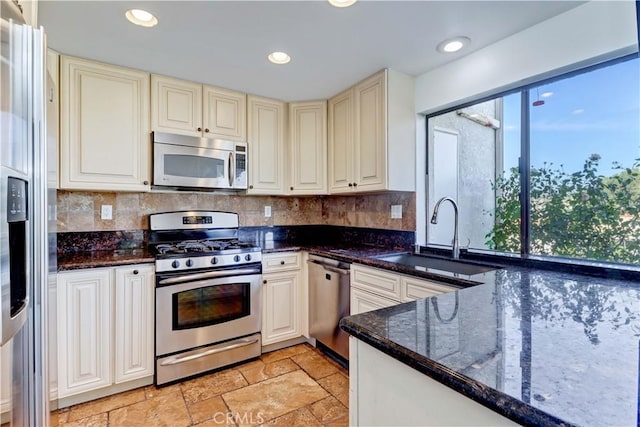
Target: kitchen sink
426, 262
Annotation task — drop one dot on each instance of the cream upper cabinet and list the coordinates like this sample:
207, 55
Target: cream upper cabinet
340, 152
224, 113
176, 106
372, 130
266, 139
104, 127
307, 147
53, 117
370, 137
187, 108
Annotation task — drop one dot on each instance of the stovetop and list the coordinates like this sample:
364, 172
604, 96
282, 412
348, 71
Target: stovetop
189, 240
201, 247
204, 254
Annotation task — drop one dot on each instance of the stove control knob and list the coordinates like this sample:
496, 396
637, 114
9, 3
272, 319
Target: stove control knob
189, 263
236, 258
214, 260
175, 264
247, 257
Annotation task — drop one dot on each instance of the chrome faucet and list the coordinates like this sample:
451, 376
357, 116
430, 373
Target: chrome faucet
434, 220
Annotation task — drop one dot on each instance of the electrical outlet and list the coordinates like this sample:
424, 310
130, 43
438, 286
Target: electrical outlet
107, 212
267, 211
396, 211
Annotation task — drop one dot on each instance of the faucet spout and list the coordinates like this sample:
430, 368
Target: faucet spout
434, 220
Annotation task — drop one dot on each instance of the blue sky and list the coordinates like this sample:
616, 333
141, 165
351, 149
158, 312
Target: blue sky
597, 112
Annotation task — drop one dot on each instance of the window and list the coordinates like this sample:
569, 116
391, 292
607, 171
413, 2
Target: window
551, 170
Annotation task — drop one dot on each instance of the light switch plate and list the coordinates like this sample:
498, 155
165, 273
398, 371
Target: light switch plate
396, 211
106, 212
267, 211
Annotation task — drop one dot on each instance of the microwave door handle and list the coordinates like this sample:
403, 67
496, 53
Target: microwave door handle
231, 170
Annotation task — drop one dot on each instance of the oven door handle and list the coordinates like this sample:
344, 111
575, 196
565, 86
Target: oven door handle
237, 344
208, 275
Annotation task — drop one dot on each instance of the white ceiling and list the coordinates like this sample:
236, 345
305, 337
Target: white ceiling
225, 43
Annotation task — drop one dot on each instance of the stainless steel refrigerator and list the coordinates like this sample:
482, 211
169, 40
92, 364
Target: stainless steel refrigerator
27, 244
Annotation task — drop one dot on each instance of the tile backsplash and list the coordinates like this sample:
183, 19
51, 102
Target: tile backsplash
80, 210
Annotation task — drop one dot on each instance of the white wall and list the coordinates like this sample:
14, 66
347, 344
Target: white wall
587, 34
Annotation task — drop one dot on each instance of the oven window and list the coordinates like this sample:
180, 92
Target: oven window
210, 305
193, 166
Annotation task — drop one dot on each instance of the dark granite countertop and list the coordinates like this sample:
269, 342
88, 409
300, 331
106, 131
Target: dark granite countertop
539, 347
106, 258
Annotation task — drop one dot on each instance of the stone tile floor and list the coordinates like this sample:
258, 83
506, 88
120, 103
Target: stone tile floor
295, 386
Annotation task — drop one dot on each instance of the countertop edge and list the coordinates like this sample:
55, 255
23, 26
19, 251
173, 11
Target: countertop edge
501, 403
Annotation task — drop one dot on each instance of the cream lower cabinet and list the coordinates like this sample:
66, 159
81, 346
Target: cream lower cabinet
104, 127
374, 288
266, 128
371, 135
105, 327
282, 297
363, 301
134, 323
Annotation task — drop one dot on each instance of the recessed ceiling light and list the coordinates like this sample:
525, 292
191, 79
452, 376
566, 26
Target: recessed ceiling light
279, 58
453, 45
141, 17
342, 3
547, 94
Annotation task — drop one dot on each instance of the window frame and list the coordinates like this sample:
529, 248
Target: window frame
524, 161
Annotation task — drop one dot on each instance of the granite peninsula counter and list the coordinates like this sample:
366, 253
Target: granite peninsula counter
536, 347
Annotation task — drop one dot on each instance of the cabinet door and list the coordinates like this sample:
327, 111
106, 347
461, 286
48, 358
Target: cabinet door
84, 331
104, 127
134, 327
362, 301
280, 316
308, 147
224, 114
340, 147
370, 135
176, 106
53, 118
266, 138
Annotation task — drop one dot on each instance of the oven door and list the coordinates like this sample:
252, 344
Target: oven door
188, 166
193, 311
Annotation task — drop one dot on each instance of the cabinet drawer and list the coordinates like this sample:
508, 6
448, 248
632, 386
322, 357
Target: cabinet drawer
285, 261
413, 289
376, 281
362, 302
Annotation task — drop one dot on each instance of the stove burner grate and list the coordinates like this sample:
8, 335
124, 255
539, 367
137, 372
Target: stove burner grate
200, 246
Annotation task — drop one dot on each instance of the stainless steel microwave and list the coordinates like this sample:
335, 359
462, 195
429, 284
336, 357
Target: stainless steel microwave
192, 162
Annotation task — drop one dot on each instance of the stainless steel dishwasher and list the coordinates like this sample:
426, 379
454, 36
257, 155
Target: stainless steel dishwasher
329, 283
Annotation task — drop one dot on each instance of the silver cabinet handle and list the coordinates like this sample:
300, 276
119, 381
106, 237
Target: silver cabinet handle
176, 360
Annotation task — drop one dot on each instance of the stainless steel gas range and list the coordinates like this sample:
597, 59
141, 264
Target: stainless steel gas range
208, 294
